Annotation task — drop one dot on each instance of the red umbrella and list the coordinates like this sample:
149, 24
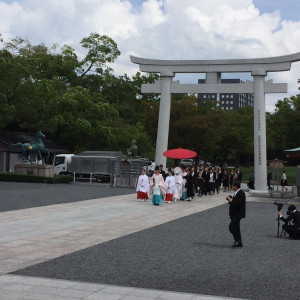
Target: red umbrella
180, 153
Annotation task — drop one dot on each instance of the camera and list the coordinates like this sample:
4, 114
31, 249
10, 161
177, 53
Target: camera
279, 205
229, 196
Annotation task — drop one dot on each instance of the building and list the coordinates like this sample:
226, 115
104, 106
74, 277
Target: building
231, 101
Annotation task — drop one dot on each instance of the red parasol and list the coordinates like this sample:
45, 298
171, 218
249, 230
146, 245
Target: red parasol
180, 153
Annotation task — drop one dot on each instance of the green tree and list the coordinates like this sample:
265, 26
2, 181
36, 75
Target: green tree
284, 127
80, 104
237, 134
101, 49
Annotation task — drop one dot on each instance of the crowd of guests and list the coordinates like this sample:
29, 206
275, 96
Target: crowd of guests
185, 183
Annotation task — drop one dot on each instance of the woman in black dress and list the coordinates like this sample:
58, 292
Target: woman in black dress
200, 183
225, 181
231, 177
219, 178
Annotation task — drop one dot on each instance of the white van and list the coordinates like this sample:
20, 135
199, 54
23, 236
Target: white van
187, 162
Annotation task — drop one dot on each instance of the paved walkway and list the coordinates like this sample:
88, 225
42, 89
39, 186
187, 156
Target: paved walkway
34, 235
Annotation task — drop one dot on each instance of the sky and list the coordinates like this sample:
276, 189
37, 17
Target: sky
166, 29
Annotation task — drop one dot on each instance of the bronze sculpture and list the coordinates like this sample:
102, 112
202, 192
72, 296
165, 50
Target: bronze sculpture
36, 147
132, 151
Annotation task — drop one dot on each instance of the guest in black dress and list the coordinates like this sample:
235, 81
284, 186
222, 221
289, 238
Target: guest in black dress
219, 178
225, 181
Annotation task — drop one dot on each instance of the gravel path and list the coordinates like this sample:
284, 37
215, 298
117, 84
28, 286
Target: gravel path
20, 195
192, 254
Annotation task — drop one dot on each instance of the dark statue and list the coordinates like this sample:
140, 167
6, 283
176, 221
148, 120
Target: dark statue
36, 147
132, 151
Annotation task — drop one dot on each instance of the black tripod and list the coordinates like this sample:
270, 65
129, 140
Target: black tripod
283, 231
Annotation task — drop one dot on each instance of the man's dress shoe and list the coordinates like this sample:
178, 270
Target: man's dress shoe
237, 244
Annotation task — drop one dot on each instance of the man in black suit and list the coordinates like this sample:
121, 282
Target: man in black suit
294, 216
240, 175
237, 211
162, 172
194, 173
205, 176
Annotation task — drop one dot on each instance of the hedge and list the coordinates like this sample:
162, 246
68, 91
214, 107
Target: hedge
33, 178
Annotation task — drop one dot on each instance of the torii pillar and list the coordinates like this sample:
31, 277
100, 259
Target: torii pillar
258, 67
163, 119
260, 140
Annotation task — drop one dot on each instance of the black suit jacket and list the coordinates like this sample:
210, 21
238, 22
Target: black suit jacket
240, 176
195, 176
163, 173
294, 216
207, 176
237, 208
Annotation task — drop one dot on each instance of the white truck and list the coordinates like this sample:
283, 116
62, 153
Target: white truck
61, 162
98, 165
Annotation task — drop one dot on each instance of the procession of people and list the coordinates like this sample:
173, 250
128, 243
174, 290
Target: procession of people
183, 184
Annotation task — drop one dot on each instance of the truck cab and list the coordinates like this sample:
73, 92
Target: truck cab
61, 162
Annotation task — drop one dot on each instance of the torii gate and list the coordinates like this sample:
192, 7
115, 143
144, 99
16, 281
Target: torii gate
259, 67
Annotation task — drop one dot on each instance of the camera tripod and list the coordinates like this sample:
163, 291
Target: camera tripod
283, 231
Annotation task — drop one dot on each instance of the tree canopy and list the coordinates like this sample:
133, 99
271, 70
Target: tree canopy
82, 105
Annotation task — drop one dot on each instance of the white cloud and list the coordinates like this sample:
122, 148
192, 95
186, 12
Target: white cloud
169, 29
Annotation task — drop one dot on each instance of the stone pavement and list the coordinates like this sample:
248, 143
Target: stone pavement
34, 235
14, 287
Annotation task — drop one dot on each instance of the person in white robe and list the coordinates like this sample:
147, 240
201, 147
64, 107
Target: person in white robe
142, 187
178, 183
170, 186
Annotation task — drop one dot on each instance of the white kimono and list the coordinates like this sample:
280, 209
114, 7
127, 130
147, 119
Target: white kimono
170, 185
143, 184
178, 186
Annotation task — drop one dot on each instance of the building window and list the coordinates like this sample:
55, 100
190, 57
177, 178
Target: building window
231, 96
227, 96
231, 108
213, 96
222, 96
204, 96
227, 102
222, 108
222, 102
231, 102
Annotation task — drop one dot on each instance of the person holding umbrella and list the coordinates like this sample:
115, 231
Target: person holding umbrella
157, 187
184, 189
189, 184
180, 153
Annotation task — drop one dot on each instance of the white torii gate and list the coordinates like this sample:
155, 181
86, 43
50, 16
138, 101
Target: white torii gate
259, 67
